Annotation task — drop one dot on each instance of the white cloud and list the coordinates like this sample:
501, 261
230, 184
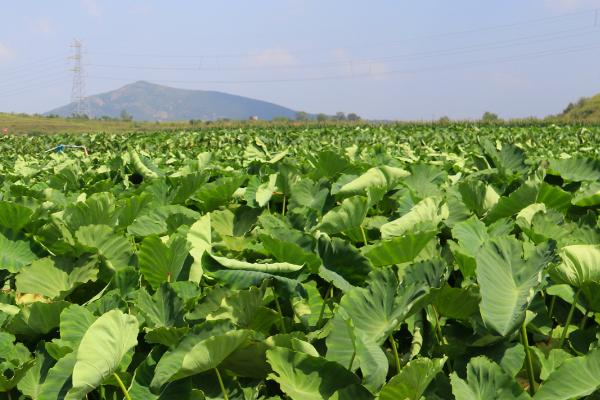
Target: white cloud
91, 7
44, 26
272, 58
6, 53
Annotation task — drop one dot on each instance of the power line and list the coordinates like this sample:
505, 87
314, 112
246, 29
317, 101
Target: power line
527, 22
37, 86
521, 41
520, 57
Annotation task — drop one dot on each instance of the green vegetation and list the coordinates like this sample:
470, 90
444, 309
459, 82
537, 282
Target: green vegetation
586, 109
307, 261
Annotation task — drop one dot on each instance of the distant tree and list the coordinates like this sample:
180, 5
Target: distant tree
569, 108
125, 116
322, 117
489, 117
340, 116
353, 117
301, 116
444, 120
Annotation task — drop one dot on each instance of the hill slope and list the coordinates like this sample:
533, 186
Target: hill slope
586, 109
146, 101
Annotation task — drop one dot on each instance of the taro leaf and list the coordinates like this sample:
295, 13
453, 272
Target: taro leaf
576, 168
14, 361
342, 259
575, 378
412, 380
14, 216
43, 277
36, 318
15, 255
241, 274
217, 193
264, 192
589, 196
290, 252
507, 206
199, 239
397, 250
345, 346
378, 309
163, 309
306, 193
378, 177
456, 303
477, 196
160, 262
304, 377
486, 380
330, 163
580, 265
425, 215
99, 207
59, 379
75, 320
31, 384
507, 281
196, 354
550, 362
114, 249
349, 215
244, 308
101, 350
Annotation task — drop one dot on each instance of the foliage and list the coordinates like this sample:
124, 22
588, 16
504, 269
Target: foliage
305, 262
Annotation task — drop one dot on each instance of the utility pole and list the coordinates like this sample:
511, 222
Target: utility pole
78, 91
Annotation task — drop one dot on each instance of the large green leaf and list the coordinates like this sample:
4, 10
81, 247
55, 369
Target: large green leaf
508, 281
378, 309
425, 215
160, 262
196, 354
304, 377
349, 215
385, 177
397, 250
14, 216
580, 265
412, 380
575, 378
114, 249
576, 168
101, 350
15, 254
486, 380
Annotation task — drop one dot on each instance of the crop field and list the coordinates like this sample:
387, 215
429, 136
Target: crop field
335, 262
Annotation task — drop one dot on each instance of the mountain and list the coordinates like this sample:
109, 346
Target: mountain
146, 101
587, 108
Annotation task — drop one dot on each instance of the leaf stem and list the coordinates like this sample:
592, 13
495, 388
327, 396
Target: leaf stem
225, 396
283, 207
528, 361
395, 349
122, 386
364, 235
280, 313
322, 312
569, 318
438, 328
584, 320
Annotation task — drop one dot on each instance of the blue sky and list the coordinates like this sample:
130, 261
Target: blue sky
380, 59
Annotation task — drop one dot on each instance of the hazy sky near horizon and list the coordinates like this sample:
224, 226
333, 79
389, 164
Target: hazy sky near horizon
381, 59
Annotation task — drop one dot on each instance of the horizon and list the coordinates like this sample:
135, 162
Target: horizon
516, 59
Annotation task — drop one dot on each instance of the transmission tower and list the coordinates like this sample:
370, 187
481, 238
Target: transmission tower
78, 91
